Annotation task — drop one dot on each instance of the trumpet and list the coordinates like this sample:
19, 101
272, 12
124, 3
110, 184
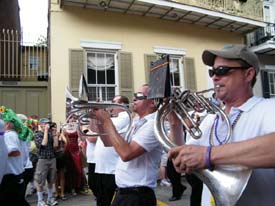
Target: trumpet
83, 111
225, 183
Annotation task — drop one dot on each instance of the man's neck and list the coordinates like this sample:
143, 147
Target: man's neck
236, 102
142, 115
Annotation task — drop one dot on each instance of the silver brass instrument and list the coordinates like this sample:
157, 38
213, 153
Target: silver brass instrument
84, 112
226, 183
83, 109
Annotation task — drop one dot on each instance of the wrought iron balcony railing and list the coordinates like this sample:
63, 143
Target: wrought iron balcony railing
252, 9
261, 35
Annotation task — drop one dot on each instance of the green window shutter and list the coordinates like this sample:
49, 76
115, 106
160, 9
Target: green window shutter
76, 59
265, 83
190, 74
148, 58
125, 70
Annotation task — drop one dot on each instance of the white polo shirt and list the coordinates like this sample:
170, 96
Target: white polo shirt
257, 118
15, 164
142, 170
3, 157
90, 151
26, 154
106, 157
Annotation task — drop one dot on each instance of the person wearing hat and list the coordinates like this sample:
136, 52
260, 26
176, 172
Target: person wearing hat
13, 185
234, 70
46, 140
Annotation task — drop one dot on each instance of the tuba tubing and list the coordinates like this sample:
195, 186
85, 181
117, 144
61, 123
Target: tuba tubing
226, 183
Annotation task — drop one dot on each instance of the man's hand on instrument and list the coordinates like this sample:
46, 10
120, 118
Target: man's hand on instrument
101, 115
187, 158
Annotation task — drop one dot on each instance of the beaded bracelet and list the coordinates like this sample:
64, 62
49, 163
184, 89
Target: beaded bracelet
207, 158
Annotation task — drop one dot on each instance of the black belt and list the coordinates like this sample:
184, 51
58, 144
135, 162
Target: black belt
129, 190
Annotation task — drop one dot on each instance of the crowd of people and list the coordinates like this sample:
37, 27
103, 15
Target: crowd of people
123, 166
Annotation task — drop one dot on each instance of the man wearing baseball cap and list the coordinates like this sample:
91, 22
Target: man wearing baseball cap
234, 70
46, 140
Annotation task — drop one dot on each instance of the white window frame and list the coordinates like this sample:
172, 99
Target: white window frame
106, 47
177, 53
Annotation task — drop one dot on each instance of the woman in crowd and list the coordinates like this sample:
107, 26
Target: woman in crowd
75, 180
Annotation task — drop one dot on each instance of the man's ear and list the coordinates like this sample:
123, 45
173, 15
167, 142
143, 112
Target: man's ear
250, 73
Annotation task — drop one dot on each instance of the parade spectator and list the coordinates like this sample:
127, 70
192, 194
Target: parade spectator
60, 167
13, 185
75, 176
46, 140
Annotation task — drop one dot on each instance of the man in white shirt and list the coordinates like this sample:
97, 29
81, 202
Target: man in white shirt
13, 181
3, 155
234, 75
106, 157
137, 169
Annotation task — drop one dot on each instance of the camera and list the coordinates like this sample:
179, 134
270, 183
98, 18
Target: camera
52, 125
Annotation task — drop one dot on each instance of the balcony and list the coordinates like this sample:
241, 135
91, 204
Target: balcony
251, 9
19, 63
262, 40
228, 15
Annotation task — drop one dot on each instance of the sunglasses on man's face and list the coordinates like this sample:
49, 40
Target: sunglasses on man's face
139, 96
222, 70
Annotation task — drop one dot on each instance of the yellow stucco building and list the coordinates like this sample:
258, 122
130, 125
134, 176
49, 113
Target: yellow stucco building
113, 42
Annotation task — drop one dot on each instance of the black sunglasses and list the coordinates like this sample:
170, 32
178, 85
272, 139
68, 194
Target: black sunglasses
140, 96
222, 70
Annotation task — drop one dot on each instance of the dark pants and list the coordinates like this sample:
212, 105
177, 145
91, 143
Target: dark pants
175, 178
197, 185
92, 178
12, 190
28, 176
135, 197
106, 187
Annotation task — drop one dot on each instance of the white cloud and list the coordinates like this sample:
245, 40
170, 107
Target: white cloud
34, 19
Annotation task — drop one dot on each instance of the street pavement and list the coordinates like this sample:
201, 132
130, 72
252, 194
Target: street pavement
163, 193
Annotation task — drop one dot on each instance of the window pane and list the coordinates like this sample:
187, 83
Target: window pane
108, 93
177, 79
91, 76
272, 89
271, 77
101, 77
110, 76
92, 93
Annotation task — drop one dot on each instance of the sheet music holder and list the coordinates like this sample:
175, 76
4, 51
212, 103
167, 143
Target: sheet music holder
159, 79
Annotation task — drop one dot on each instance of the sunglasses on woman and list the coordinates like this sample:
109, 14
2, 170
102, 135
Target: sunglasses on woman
222, 70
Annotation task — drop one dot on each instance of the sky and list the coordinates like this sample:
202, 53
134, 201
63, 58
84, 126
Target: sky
34, 19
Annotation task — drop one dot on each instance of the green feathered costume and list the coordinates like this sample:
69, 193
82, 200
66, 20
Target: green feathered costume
24, 133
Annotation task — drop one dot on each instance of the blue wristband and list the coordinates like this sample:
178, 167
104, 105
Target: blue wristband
207, 159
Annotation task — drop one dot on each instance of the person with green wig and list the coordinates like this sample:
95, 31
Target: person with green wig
13, 181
